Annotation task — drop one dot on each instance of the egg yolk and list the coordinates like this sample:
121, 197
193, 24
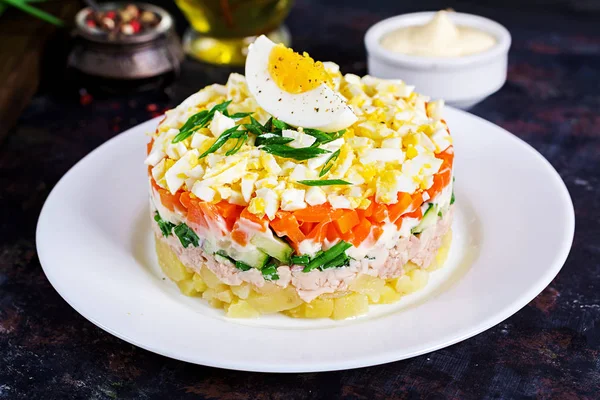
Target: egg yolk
296, 73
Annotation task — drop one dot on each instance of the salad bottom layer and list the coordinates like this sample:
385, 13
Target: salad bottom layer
245, 300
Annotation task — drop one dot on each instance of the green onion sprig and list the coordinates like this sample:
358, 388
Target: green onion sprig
324, 182
166, 227
330, 258
300, 260
199, 120
242, 266
329, 163
323, 137
186, 235
302, 153
231, 133
269, 272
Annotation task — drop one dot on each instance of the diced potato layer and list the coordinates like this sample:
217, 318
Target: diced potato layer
275, 301
170, 264
246, 301
442, 254
350, 306
241, 309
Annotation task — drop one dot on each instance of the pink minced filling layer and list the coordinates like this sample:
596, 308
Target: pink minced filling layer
389, 263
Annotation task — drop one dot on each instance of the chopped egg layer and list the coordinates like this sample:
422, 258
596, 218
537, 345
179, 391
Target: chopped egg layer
391, 148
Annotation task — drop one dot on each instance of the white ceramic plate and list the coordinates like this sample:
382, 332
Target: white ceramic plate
513, 230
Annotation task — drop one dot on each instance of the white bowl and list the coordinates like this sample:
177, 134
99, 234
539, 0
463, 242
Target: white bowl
460, 81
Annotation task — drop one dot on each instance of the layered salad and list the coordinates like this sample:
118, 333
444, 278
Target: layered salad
300, 190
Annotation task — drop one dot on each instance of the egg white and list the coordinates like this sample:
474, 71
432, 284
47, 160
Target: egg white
320, 108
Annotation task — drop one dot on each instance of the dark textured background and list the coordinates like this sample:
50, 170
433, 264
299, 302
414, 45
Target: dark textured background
549, 349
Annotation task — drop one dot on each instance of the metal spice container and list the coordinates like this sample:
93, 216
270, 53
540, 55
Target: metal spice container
141, 56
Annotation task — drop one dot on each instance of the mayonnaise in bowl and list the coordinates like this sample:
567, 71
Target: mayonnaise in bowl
440, 37
461, 58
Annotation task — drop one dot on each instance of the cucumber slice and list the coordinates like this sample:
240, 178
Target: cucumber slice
222, 259
274, 247
254, 258
208, 247
429, 219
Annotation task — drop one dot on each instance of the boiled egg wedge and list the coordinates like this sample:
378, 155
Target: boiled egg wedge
294, 88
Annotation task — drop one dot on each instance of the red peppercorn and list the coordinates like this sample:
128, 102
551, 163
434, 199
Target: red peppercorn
85, 99
135, 24
129, 20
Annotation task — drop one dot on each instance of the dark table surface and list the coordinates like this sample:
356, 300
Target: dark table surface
549, 349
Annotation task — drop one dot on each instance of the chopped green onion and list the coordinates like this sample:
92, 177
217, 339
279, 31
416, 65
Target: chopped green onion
255, 127
452, 199
324, 182
242, 138
221, 107
317, 134
337, 262
327, 256
268, 127
329, 163
270, 272
302, 153
271, 138
222, 139
196, 120
186, 235
242, 266
165, 226
280, 124
300, 260
199, 120
240, 115
338, 134
323, 137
